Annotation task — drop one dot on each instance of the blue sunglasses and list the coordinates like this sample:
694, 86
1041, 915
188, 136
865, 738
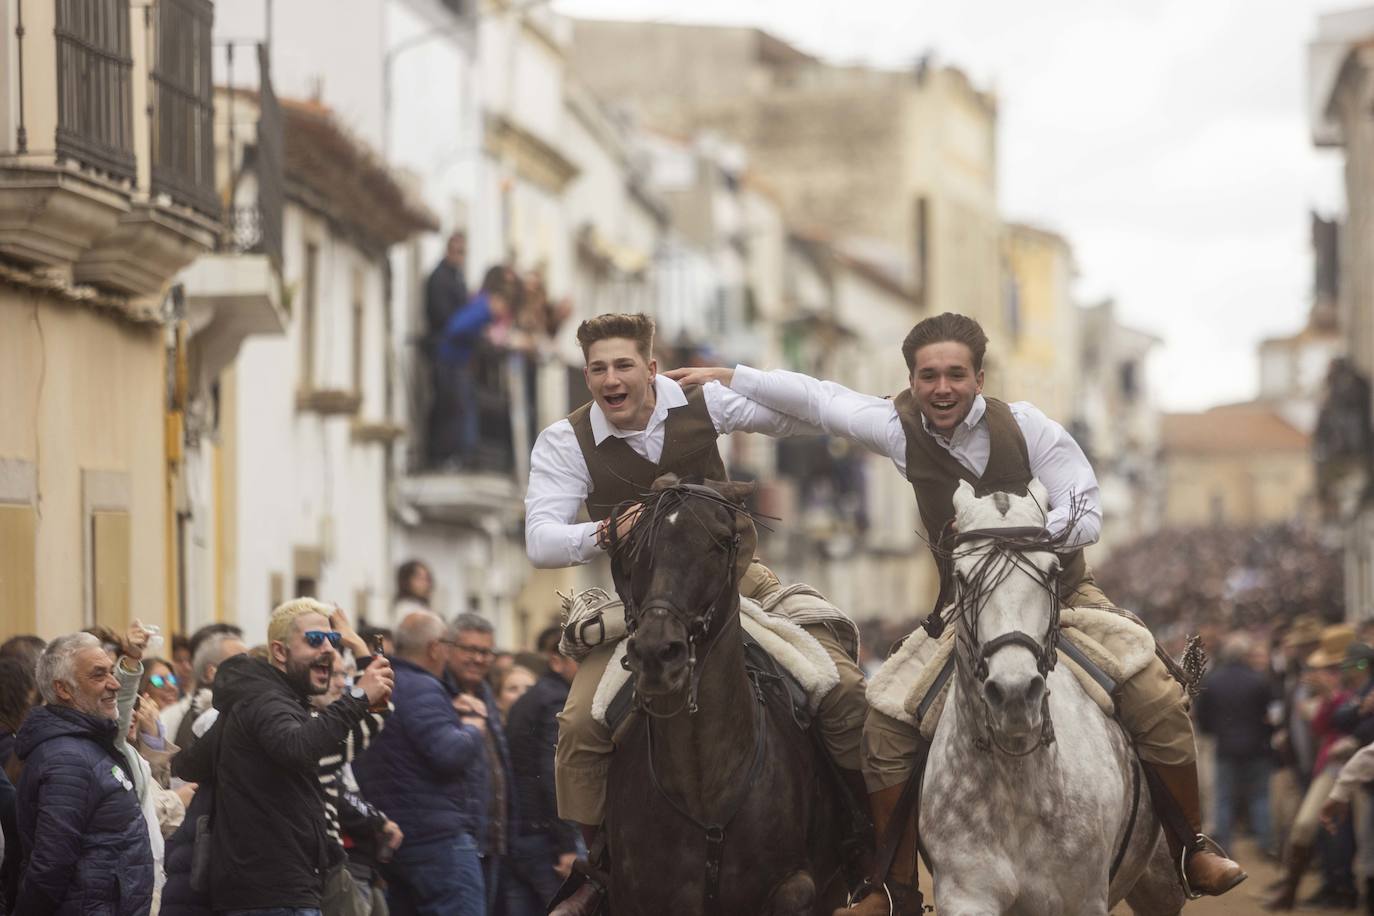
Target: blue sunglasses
315, 638
163, 680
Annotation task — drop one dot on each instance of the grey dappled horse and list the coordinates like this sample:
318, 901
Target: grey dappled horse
1031, 791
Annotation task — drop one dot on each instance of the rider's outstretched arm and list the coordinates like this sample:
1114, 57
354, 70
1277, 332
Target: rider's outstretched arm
870, 421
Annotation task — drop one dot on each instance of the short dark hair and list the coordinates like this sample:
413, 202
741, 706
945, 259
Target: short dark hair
26, 648
213, 629
548, 639
17, 686
638, 327
495, 281
942, 328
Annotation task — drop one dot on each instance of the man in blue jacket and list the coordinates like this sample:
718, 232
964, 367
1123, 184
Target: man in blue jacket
428, 772
84, 837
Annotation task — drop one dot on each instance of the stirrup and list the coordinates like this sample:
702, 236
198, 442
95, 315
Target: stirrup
1198, 844
910, 894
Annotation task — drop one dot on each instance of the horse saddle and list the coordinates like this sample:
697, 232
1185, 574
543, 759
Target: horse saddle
1103, 649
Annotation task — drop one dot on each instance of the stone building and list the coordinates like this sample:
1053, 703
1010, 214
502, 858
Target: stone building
1341, 91
1041, 362
106, 191
905, 161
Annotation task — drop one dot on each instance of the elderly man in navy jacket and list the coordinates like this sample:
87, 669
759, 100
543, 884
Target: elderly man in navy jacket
84, 837
428, 771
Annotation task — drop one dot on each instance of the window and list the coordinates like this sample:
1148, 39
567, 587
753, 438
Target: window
309, 306
107, 534
110, 531
95, 85
359, 330
182, 97
19, 534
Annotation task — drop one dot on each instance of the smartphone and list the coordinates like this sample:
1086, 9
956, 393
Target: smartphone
378, 647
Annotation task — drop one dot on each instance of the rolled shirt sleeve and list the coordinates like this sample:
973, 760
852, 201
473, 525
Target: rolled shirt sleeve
1058, 462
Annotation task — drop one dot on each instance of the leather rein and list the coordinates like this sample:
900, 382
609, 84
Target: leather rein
1003, 553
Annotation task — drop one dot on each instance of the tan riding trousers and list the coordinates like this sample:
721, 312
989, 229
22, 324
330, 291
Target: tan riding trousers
1153, 708
584, 750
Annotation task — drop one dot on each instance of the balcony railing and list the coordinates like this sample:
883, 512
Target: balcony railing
94, 85
255, 227
183, 144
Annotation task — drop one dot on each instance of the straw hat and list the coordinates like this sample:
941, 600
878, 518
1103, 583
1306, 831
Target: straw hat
1335, 641
1304, 631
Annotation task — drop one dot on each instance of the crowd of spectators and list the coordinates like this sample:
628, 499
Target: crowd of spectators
481, 346
306, 774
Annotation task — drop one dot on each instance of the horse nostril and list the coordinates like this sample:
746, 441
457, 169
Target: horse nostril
994, 694
1035, 691
671, 652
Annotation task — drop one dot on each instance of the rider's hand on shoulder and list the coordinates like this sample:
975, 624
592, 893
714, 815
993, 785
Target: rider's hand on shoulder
700, 375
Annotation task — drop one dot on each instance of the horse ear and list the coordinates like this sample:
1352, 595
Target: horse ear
963, 496
1036, 490
736, 492
666, 482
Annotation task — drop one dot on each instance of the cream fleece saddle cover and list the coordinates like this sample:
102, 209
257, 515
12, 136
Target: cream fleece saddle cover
790, 645
909, 681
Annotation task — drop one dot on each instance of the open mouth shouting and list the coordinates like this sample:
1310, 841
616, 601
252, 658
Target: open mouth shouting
617, 400
321, 672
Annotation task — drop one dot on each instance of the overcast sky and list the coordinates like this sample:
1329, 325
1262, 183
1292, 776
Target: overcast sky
1167, 139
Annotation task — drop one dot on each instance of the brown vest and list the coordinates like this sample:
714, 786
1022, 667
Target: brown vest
619, 473
935, 473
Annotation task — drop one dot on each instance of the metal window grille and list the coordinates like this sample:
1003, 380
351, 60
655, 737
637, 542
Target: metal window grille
183, 144
94, 85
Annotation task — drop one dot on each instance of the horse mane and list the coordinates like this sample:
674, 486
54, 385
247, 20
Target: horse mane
669, 495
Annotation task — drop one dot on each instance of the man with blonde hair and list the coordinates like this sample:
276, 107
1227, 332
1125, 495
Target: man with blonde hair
262, 756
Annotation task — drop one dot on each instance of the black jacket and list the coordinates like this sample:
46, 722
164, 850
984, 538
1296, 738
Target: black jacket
532, 733
446, 291
263, 755
85, 840
1234, 707
178, 899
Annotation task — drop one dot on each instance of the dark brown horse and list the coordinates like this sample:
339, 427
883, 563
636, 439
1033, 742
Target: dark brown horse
717, 802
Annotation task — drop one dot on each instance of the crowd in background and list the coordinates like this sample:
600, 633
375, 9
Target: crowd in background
310, 769
480, 343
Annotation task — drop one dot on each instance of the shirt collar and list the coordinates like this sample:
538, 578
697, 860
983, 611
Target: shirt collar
975, 416
668, 394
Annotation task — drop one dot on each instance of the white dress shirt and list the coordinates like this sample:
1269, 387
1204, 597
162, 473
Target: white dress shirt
1055, 458
560, 481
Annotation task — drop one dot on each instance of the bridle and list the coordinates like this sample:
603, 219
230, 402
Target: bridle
642, 537
1003, 553
700, 638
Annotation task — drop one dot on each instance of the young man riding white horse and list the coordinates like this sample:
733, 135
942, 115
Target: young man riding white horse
939, 432
639, 426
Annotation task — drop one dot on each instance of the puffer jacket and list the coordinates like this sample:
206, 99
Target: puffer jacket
92, 856
427, 770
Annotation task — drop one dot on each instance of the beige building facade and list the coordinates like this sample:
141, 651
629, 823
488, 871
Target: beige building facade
905, 161
105, 193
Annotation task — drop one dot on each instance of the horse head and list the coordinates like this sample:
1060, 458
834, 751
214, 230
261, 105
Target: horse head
1005, 573
678, 572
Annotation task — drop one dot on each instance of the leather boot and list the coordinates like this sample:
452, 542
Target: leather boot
901, 880
585, 901
1294, 867
862, 858
1206, 871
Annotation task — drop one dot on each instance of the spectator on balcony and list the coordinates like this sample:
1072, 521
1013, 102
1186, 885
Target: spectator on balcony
446, 291
455, 431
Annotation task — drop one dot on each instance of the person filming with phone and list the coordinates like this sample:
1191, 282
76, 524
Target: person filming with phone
269, 844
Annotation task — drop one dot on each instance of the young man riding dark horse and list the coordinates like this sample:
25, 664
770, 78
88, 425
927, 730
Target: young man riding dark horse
638, 427
941, 431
